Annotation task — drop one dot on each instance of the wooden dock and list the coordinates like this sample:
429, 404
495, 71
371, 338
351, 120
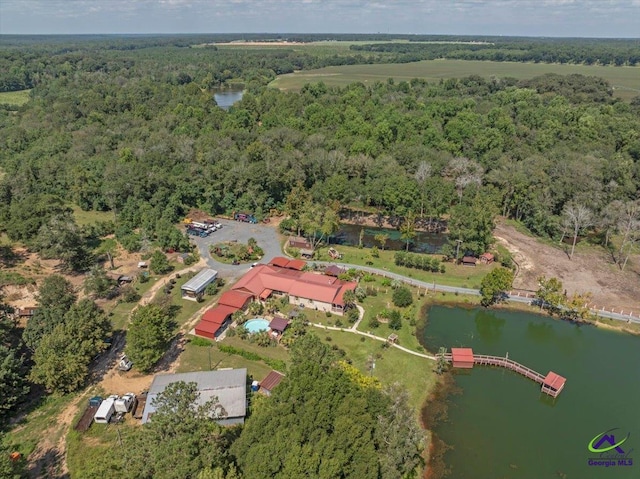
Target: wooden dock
551, 384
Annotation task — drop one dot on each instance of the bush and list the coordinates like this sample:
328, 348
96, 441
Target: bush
402, 297
373, 322
361, 293
371, 291
189, 260
386, 282
353, 314
395, 320
159, 263
129, 294
201, 342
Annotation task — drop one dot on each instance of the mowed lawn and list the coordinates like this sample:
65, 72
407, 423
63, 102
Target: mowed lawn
625, 80
14, 98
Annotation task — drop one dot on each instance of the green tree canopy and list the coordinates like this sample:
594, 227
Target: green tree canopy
148, 336
494, 285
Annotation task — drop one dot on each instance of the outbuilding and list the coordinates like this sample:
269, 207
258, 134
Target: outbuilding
462, 358
228, 386
487, 258
194, 288
270, 382
468, 261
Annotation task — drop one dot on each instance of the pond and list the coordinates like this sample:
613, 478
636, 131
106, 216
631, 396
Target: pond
502, 426
226, 97
423, 242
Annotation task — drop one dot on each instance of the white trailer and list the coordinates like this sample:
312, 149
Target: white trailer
106, 410
125, 403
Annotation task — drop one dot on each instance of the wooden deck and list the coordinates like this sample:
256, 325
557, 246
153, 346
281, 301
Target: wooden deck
486, 360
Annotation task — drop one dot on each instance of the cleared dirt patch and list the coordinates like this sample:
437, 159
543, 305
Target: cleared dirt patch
590, 270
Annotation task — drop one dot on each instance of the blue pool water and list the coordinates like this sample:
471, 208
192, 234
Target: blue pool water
256, 325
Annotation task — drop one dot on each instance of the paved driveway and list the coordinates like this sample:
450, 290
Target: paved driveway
266, 236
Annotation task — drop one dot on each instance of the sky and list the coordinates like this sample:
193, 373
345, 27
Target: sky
557, 18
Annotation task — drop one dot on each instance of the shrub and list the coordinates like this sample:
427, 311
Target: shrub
129, 294
373, 322
368, 278
328, 314
361, 293
386, 282
353, 314
201, 342
402, 297
189, 260
395, 321
371, 291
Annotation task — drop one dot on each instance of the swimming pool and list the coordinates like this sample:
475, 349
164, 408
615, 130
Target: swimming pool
256, 325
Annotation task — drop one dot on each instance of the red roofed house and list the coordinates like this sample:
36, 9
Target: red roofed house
271, 381
310, 290
236, 299
462, 357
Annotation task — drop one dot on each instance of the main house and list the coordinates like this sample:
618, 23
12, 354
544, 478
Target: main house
281, 277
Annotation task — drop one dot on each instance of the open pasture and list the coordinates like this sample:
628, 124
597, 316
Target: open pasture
625, 80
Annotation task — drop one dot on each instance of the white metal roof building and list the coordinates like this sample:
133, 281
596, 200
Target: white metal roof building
229, 386
194, 288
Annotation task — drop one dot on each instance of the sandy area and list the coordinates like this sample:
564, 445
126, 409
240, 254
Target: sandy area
592, 271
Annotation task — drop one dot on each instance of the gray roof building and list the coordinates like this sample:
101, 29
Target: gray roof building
193, 288
229, 386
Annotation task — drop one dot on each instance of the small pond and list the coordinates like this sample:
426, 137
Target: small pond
226, 97
423, 242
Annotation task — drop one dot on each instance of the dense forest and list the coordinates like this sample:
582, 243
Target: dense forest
137, 132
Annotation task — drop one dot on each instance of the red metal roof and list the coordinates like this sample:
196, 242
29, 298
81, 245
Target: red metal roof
235, 298
487, 256
464, 355
279, 324
469, 259
218, 314
296, 264
207, 329
279, 261
554, 380
340, 296
272, 380
265, 294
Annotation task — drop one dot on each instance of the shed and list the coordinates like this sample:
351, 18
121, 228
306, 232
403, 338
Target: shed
228, 386
182, 257
468, 261
487, 258
194, 288
300, 243
553, 383
278, 325
462, 357
393, 338
26, 312
270, 382
208, 329
334, 270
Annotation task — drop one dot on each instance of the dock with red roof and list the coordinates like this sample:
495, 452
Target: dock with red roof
552, 383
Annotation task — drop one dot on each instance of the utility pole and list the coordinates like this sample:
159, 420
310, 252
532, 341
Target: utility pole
458, 241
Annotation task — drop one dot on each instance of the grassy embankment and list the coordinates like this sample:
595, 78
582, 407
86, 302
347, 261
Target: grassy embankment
625, 80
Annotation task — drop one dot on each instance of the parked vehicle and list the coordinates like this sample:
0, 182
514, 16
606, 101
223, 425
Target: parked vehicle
141, 400
125, 363
125, 403
245, 217
106, 410
85, 421
334, 254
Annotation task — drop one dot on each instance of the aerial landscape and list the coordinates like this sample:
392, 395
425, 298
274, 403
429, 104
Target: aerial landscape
322, 239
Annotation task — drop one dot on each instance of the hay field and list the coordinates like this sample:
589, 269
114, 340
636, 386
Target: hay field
625, 80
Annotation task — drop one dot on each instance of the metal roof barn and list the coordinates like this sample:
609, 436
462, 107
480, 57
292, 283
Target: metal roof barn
229, 386
194, 288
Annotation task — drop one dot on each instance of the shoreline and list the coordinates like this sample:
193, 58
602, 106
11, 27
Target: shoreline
444, 387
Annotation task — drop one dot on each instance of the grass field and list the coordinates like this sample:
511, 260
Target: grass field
625, 80
14, 98
456, 275
84, 218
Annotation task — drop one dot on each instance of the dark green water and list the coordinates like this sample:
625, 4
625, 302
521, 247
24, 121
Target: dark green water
501, 426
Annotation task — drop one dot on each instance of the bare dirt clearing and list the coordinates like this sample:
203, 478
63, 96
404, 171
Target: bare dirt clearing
591, 270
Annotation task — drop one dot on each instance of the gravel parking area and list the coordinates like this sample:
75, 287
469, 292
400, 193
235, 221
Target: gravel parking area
266, 236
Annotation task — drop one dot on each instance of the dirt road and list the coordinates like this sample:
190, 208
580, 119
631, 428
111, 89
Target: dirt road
592, 271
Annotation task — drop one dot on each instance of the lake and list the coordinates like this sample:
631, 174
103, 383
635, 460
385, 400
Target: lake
501, 426
226, 97
424, 242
